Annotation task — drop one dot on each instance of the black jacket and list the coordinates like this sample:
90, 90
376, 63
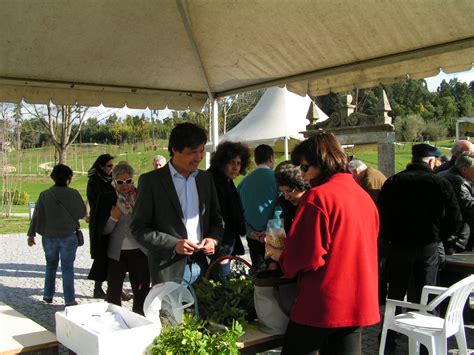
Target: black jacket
95, 188
463, 190
418, 207
231, 210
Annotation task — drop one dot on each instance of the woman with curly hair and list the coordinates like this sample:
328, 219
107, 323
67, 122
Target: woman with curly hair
229, 161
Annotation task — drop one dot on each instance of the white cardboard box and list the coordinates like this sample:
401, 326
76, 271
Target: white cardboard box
81, 340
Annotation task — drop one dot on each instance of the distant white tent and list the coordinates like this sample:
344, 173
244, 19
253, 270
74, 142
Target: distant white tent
464, 127
279, 115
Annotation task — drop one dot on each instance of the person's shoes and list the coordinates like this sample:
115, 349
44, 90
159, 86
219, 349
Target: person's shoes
99, 293
72, 304
47, 300
126, 296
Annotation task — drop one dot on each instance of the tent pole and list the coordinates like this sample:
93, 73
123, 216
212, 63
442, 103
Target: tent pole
215, 124
286, 148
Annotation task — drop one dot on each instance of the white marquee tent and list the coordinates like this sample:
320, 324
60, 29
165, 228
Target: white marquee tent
279, 114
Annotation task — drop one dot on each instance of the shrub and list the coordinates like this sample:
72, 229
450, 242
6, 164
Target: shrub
15, 197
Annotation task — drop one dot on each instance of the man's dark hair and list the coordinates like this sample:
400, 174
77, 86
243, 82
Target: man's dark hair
287, 174
101, 161
186, 135
226, 151
323, 151
263, 153
61, 175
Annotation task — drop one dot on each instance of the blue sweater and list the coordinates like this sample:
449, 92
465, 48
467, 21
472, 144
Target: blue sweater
259, 193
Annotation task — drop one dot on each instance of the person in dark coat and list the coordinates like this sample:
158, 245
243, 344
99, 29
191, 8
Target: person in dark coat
176, 215
229, 161
457, 149
418, 209
461, 176
100, 179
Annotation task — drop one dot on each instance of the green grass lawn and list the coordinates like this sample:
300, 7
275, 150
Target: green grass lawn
81, 157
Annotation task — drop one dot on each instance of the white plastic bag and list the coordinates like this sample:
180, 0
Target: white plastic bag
169, 298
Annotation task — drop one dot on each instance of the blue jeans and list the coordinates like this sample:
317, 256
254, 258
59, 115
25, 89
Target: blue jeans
63, 249
195, 270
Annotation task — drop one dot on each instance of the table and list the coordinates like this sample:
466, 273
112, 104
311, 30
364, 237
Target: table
462, 263
19, 334
255, 341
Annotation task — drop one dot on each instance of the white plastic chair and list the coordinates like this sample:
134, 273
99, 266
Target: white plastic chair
423, 327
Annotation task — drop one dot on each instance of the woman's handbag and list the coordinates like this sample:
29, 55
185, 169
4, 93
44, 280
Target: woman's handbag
80, 237
274, 296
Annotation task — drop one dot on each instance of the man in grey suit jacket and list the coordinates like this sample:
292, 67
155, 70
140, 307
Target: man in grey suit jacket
176, 215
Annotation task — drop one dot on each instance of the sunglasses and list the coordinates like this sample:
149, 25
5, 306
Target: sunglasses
304, 168
121, 182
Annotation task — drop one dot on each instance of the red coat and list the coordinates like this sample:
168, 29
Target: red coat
332, 248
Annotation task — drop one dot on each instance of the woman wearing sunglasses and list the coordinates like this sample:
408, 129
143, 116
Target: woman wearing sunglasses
100, 179
332, 249
114, 213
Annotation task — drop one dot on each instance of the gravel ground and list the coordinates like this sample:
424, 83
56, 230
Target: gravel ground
21, 287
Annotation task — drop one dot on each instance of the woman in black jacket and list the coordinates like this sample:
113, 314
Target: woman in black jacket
229, 161
100, 179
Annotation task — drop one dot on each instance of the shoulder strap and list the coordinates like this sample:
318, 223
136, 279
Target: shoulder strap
64, 208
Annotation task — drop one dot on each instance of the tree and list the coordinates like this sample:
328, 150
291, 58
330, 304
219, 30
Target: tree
409, 128
63, 123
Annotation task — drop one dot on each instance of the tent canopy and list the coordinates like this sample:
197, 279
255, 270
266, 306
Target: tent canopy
158, 53
278, 114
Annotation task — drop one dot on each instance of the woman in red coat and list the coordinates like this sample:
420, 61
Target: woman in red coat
332, 249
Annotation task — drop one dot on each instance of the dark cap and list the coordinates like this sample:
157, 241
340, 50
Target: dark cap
424, 150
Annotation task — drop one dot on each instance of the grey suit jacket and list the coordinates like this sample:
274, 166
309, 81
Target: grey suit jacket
158, 224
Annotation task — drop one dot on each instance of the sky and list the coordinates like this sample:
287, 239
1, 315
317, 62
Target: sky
433, 83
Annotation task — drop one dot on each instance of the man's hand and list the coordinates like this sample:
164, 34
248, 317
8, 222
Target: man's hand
186, 247
272, 252
116, 213
208, 246
31, 241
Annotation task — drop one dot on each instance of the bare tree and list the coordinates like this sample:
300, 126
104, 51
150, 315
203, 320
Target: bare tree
63, 123
10, 140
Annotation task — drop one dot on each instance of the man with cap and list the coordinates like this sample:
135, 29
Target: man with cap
418, 209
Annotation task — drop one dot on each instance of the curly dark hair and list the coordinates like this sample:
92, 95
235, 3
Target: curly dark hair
226, 151
287, 174
61, 175
323, 151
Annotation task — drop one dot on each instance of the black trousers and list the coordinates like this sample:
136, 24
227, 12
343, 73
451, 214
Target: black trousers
257, 252
418, 262
136, 263
304, 339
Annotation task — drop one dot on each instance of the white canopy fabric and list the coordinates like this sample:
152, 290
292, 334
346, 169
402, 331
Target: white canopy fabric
278, 114
158, 53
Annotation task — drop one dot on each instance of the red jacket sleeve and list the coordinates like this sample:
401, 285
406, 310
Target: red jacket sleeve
308, 241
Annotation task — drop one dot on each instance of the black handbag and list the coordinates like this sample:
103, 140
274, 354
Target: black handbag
80, 237
78, 232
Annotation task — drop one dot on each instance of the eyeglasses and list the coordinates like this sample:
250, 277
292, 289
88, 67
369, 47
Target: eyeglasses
304, 168
286, 193
121, 182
